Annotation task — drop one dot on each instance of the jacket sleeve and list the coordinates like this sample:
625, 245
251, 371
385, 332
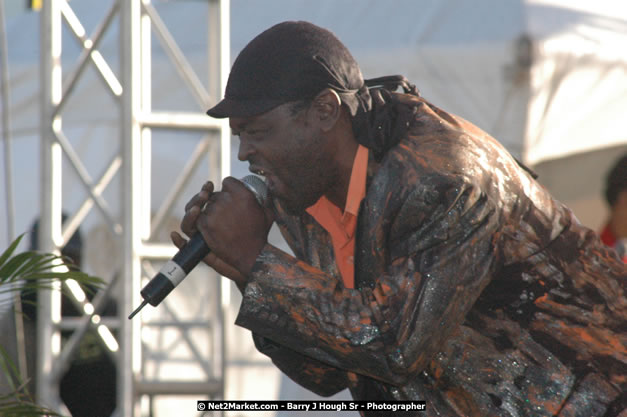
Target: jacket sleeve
439, 261
312, 374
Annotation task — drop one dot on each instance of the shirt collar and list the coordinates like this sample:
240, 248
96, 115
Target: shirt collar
356, 187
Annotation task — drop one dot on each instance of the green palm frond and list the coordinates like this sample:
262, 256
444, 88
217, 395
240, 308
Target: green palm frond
14, 408
18, 403
30, 271
34, 271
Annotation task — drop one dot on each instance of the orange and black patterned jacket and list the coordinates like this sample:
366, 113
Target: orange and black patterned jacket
476, 291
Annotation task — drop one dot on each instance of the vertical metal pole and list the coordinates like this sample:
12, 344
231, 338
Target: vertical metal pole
5, 91
49, 301
219, 65
129, 363
146, 133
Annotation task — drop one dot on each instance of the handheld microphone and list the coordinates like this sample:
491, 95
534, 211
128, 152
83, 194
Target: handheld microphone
186, 259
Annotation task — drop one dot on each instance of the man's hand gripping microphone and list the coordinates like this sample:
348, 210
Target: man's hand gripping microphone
186, 259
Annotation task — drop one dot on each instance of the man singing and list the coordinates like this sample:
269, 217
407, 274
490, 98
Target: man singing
428, 264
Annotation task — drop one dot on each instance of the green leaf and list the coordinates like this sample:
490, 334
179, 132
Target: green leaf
41, 261
17, 403
7, 253
19, 265
15, 408
33, 271
9, 369
7, 271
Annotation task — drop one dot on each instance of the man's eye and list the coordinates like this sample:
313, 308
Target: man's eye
256, 131
250, 132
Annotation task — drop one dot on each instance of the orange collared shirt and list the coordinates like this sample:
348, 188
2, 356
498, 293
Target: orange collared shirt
341, 225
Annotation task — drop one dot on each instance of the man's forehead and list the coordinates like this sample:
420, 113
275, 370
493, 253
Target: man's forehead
238, 123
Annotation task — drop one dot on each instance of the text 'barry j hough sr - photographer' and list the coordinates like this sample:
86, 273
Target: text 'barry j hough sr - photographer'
395, 406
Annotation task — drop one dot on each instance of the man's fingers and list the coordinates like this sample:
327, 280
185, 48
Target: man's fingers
197, 201
229, 184
208, 187
188, 224
201, 198
177, 239
211, 259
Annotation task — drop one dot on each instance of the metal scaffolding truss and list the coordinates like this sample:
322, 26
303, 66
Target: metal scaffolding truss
133, 222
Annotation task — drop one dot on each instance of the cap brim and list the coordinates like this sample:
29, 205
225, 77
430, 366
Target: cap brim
229, 107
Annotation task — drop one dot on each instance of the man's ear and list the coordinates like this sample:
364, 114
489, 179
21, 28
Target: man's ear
327, 107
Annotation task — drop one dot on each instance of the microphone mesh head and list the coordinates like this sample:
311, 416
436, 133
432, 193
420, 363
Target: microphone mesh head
258, 188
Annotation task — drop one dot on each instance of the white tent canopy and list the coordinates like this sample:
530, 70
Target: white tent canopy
562, 97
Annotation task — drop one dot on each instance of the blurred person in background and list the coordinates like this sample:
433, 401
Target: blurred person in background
88, 387
614, 234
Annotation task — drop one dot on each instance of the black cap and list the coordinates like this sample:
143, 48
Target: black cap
289, 62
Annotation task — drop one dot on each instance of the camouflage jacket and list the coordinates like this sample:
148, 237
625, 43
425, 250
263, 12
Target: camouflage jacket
476, 291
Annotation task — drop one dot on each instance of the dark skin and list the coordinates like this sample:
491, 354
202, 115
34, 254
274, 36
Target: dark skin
303, 156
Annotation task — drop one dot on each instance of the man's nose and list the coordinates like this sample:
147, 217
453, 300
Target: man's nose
244, 151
